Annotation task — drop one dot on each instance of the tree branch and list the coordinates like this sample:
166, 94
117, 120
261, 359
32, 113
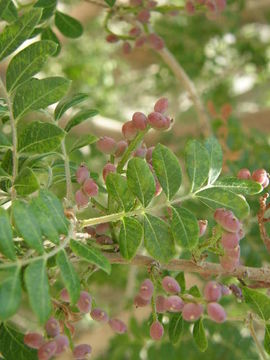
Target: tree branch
242, 272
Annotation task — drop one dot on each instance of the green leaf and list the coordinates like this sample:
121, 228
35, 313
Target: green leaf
37, 94
67, 25
267, 339
215, 158
141, 180
185, 228
239, 186
130, 237
28, 62
180, 278
158, 238
217, 198
91, 255
48, 7
10, 292
15, 34
27, 225
81, 141
194, 291
10, 13
4, 141
175, 328
167, 170
118, 189
69, 276
110, 2
12, 346
258, 302
39, 137
3, 6
80, 117
197, 164
37, 285
48, 34
67, 103
6, 239
199, 336
44, 218
54, 206
26, 182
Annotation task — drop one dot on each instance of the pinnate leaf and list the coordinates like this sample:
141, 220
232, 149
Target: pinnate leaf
118, 189
26, 182
130, 237
6, 239
239, 186
10, 292
80, 117
199, 336
215, 158
176, 325
67, 25
259, 302
67, 103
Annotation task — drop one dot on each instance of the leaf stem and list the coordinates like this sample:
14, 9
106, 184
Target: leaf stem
256, 340
67, 173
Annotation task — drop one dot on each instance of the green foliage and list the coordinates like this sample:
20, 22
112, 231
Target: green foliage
118, 189
49, 34
267, 339
130, 237
6, 238
80, 117
67, 25
199, 335
259, 302
215, 158
68, 102
26, 182
176, 326
10, 292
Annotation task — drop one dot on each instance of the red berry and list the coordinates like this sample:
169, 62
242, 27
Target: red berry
33, 340
149, 154
64, 295
90, 187
233, 253
156, 42
135, 31
129, 131
170, 285
265, 183
221, 4
102, 228
82, 174
104, 240
227, 220
230, 240
99, 315
81, 351
140, 302
108, 168
190, 8
62, 343
126, 48
161, 304
111, 38
244, 174
259, 175
161, 105
202, 227
52, 327
151, 4
216, 312
81, 199
117, 326
174, 303
212, 291
156, 330
157, 121
140, 41
146, 289
47, 350
85, 302
106, 145
192, 311
90, 230
140, 152
120, 148
139, 120
144, 16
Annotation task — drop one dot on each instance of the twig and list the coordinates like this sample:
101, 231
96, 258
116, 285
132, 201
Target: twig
256, 340
262, 221
67, 172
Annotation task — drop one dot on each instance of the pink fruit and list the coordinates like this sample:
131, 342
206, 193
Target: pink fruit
202, 227
108, 168
225, 290
139, 120
190, 8
104, 240
229, 263
129, 131
161, 105
230, 240
151, 4
156, 42
81, 199
265, 183
146, 289
102, 228
106, 145
135, 31
244, 174
84, 303
170, 285
47, 350
126, 48
259, 175
111, 38
212, 291
144, 16
140, 152
157, 121
120, 148
216, 312
241, 234
82, 174
64, 295
192, 311
149, 154
52, 327
140, 302
227, 220
99, 315
161, 304
221, 4
140, 41
81, 351
156, 330
62, 343
233, 253
90, 188
90, 230
174, 303
117, 326
33, 340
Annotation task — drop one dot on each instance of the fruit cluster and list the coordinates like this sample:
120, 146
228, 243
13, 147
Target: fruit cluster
231, 236
56, 342
259, 175
191, 308
88, 187
99, 233
214, 7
